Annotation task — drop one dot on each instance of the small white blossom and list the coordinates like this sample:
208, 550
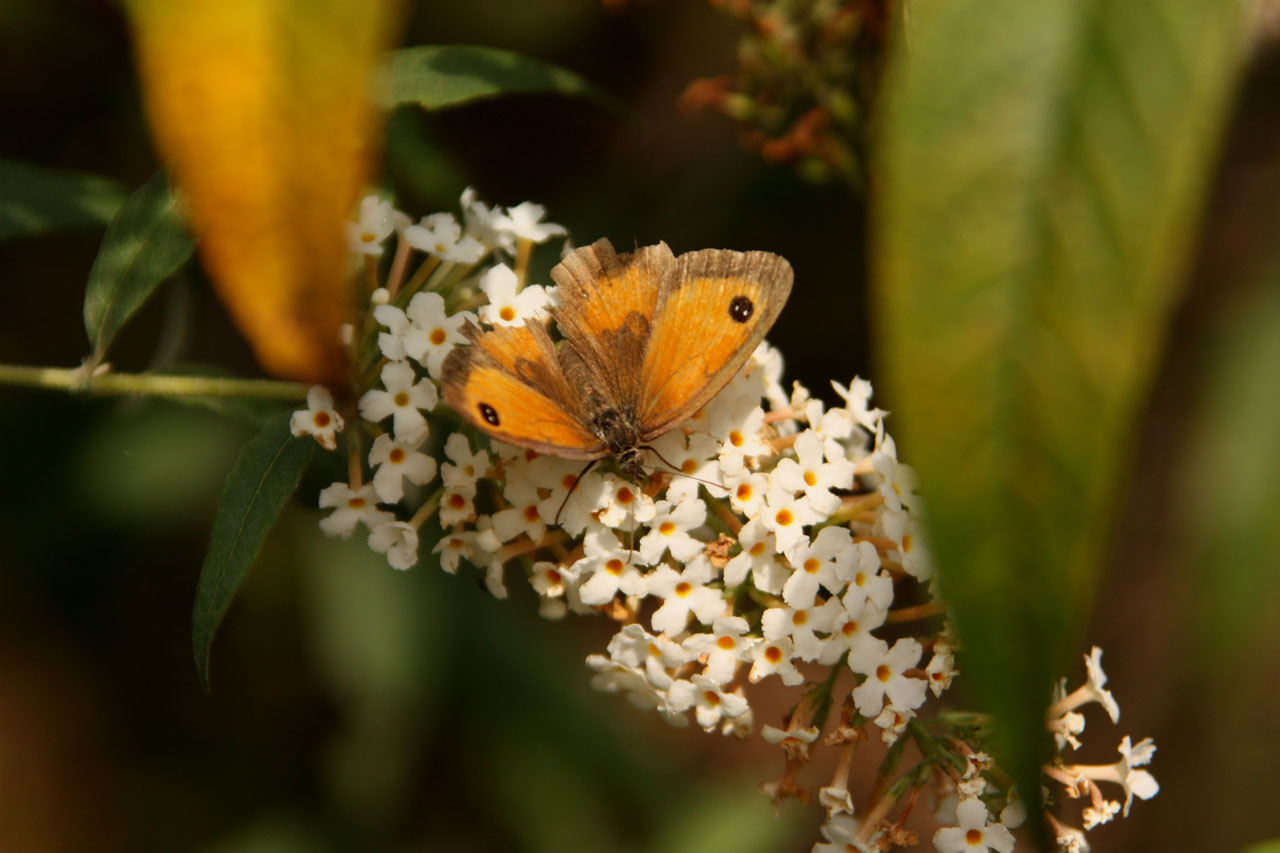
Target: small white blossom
440, 235
403, 399
398, 540
524, 222
975, 834
683, 594
349, 509
669, 531
759, 557
464, 468
885, 670
431, 333
800, 624
725, 647
820, 563
319, 419
376, 222
397, 462
709, 701
608, 568
508, 304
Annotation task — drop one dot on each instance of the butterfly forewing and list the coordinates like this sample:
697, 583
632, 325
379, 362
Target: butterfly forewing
509, 384
607, 302
707, 322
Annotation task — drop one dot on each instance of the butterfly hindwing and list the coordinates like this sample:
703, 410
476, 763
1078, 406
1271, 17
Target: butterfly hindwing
509, 384
708, 320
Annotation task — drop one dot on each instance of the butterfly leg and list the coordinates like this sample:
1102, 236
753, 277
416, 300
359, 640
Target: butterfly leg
567, 494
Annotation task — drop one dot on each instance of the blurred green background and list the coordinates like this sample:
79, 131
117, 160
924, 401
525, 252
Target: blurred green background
357, 708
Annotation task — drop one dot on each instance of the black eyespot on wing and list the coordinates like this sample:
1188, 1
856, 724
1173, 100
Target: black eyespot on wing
741, 309
489, 414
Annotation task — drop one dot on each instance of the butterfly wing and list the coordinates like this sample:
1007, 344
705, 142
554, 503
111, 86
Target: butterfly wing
509, 384
607, 305
708, 320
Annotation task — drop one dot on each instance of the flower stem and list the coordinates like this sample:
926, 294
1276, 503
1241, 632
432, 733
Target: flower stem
152, 384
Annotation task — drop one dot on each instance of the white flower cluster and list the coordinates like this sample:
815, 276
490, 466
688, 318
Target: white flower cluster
415, 339
775, 537
1081, 780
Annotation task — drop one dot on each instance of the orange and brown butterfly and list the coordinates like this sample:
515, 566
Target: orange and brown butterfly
648, 339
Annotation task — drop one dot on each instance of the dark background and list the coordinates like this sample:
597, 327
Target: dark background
358, 708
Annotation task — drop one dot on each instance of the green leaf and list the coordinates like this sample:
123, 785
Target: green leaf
262, 480
35, 200
436, 77
1272, 846
145, 244
1041, 170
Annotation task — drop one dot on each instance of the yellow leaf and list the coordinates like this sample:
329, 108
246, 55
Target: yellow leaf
261, 111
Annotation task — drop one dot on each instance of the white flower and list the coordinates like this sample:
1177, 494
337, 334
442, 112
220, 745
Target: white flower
811, 474
1125, 772
572, 496
620, 500
841, 834
898, 484
669, 531
820, 563
850, 630
836, 799
795, 742
522, 516
398, 540
397, 462
464, 468
759, 557
318, 419
747, 489
440, 235
725, 647
800, 624
457, 504
866, 582
432, 333
452, 548
523, 222
941, 669
885, 670
740, 424
975, 834
857, 398
635, 647
349, 509
483, 221
709, 701
402, 399
551, 581
610, 567
376, 222
507, 307
1095, 685
774, 657
683, 593
1102, 812
892, 722
391, 342
786, 515
693, 457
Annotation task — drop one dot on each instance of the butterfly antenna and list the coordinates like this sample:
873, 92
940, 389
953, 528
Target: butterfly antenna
569, 493
674, 470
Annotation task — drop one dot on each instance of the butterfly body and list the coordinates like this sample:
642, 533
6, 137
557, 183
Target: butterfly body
648, 339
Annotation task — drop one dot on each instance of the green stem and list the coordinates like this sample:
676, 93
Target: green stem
158, 385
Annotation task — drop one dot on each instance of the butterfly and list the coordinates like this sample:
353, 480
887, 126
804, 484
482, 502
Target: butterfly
648, 339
